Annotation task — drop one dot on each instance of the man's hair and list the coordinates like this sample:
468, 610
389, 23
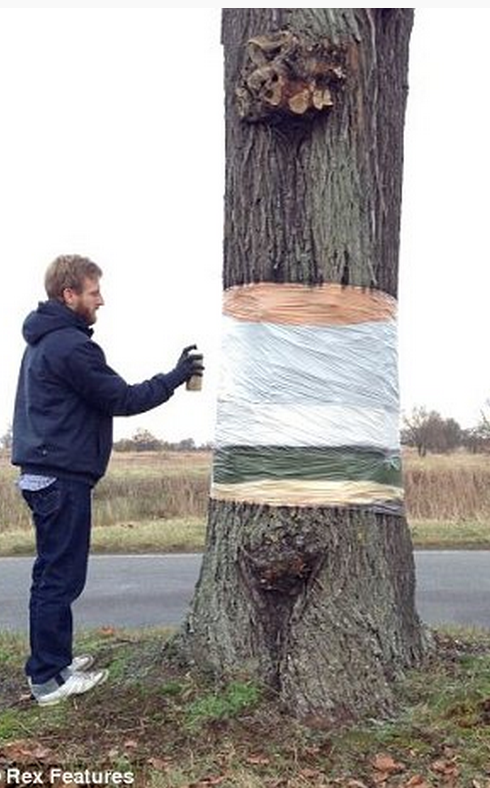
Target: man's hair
69, 270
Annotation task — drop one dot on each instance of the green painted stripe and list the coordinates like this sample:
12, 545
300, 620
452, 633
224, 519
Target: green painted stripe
238, 464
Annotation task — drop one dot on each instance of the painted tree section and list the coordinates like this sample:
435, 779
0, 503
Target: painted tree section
316, 601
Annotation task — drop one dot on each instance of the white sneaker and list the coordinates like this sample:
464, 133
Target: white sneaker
83, 662
76, 684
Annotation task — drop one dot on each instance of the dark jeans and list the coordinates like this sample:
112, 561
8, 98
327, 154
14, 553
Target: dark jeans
62, 518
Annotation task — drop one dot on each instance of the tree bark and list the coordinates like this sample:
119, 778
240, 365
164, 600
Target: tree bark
316, 601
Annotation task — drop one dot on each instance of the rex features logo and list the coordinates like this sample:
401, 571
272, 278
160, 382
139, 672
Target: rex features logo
14, 776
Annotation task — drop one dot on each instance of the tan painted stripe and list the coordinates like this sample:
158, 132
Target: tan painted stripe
331, 304
307, 493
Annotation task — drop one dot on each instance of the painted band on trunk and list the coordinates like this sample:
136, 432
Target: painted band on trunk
320, 362
295, 304
294, 492
308, 406
236, 464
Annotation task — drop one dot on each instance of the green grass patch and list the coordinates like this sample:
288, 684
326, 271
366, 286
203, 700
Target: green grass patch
12, 648
470, 534
224, 703
187, 534
166, 536
181, 535
14, 725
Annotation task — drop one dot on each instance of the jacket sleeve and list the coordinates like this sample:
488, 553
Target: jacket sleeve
104, 389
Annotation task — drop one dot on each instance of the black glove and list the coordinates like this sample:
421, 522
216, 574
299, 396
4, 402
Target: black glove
189, 364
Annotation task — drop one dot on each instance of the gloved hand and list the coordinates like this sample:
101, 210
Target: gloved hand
189, 364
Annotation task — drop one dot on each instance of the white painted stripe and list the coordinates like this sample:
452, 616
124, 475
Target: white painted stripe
356, 366
245, 423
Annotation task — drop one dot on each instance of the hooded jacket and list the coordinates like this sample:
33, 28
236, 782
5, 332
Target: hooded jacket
67, 396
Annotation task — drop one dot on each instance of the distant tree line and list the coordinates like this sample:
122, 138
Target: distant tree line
144, 440
428, 431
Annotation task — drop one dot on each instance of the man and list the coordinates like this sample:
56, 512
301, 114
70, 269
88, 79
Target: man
66, 399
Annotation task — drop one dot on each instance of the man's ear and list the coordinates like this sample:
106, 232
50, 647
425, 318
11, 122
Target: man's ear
69, 297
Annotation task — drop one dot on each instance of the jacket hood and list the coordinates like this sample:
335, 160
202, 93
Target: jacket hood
51, 316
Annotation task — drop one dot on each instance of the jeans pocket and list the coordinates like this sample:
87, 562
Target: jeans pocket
45, 501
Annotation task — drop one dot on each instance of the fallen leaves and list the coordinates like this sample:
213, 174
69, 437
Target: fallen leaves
25, 751
383, 770
445, 770
417, 781
384, 765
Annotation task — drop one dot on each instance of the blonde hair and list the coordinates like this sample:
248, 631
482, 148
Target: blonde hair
69, 270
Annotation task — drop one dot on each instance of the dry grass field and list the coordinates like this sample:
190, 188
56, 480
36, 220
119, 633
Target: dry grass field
158, 500
138, 486
450, 487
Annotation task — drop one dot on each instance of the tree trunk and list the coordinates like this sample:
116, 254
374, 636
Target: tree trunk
307, 581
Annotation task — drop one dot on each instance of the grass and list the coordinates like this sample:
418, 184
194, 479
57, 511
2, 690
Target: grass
452, 488
172, 729
188, 536
448, 535
157, 502
167, 536
138, 487
223, 704
182, 535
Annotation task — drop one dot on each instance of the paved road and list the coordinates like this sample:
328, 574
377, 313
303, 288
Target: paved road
132, 591
139, 591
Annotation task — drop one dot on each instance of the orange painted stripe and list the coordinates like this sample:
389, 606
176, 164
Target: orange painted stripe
294, 304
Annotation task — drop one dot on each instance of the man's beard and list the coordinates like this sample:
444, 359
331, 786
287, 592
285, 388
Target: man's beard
90, 316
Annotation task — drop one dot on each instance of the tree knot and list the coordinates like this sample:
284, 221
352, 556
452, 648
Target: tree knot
287, 75
284, 573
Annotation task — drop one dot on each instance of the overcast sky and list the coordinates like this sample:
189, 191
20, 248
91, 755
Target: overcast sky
112, 146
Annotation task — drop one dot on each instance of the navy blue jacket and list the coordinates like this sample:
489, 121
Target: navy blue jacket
67, 396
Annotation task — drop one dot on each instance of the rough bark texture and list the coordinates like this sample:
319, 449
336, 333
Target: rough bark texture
316, 602
319, 201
